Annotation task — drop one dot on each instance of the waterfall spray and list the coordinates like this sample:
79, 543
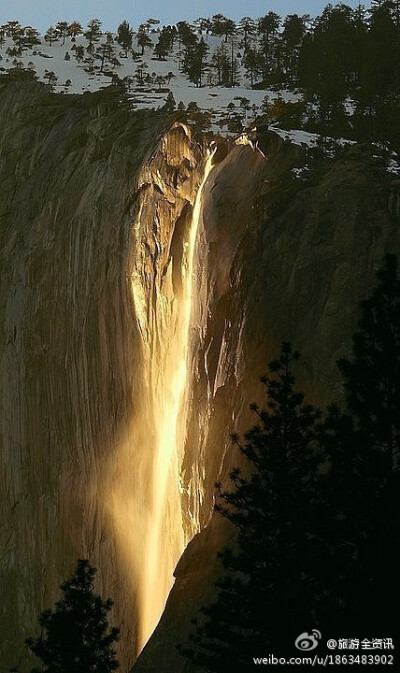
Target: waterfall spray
171, 381
144, 496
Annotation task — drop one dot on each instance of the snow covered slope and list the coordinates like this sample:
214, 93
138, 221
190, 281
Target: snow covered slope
163, 76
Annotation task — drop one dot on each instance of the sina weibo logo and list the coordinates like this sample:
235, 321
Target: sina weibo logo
308, 641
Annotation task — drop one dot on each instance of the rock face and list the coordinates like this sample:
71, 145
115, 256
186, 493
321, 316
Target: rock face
286, 261
74, 173
96, 216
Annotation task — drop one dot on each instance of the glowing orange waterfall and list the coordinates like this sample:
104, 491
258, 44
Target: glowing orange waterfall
166, 524
144, 496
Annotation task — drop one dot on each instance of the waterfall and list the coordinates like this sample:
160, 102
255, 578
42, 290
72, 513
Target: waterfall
146, 507
164, 538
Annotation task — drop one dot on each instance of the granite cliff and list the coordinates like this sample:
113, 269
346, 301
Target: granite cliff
128, 253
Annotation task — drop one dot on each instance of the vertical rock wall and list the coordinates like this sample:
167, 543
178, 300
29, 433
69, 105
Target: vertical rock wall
94, 199
285, 260
74, 172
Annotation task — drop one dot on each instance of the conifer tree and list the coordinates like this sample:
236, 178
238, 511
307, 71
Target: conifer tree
170, 103
30, 37
13, 28
105, 51
151, 23
140, 73
364, 449
247, 27
221, 63
217, 24
143, 39
75, 635
51, 77
270, 579
62, 29
251, 63
51, 35
93, 32
194, 60
74, 28
163, 45
125, 36
79, 53
372, 375
186, 34
292, 37
268, 25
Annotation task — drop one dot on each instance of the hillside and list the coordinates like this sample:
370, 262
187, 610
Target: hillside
335, 74
58, 65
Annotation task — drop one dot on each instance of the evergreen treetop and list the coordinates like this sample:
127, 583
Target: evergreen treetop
75, 635
372, 375
271, 573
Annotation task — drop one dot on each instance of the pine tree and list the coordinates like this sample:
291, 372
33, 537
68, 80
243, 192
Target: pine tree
74, 28
203, 25
125, 36
151, 23
93, 32
364, 449
268, 25
270, 580
105, 51
217, 24
143, 39
229, 28
170, 103
247, 27
251, 62
372, 376
234, 74
221, 63
29, 38
62, 29
194, 60
163, 45
13, 28
51, 35
75, 635
140, 73
51, 77
292, 36
79, 53
186, 34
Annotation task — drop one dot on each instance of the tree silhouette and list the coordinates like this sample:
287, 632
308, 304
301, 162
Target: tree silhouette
51, 35
93, 32
75, 28
317, 510
364, 453
271, 575
165, 42
125, 36
194, 60
143, 39
372, 376
247, 27
62, 29
75, 635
